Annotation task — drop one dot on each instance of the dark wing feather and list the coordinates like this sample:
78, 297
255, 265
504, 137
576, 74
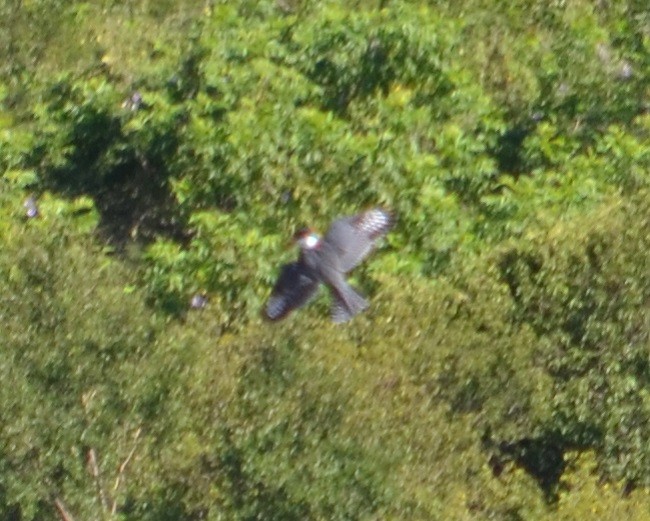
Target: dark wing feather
353, 238
294, 287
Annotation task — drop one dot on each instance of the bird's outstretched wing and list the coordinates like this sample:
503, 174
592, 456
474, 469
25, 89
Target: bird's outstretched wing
294, 287
354, 237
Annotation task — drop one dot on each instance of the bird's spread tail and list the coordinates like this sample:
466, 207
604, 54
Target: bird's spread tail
346, 303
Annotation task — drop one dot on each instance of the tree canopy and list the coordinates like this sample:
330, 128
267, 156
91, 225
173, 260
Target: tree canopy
155, 157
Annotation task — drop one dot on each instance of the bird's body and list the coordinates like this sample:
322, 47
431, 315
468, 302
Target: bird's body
328, 260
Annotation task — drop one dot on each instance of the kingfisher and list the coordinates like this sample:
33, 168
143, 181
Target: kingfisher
328, 260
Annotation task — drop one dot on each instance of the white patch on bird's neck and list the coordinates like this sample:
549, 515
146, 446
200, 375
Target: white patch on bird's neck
309, 241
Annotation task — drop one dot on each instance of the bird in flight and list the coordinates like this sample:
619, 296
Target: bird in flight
328, 260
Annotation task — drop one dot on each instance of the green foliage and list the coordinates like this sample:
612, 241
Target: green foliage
502, 370
587, 303
71, 342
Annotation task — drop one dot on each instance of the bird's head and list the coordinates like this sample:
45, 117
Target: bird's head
306, 239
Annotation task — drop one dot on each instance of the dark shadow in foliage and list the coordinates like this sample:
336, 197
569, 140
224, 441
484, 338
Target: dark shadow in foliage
508, 149
129, 185
542, 458
136, 204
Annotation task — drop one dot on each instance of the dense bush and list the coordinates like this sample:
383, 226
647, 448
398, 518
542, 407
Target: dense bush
585, 294
502, 371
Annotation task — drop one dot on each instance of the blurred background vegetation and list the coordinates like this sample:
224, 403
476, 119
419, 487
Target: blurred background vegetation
156, 156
